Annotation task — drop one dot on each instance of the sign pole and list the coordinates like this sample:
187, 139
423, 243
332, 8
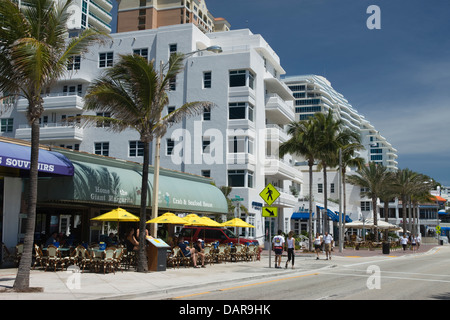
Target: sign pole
270, 242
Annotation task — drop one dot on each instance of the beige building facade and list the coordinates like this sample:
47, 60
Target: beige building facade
151, 14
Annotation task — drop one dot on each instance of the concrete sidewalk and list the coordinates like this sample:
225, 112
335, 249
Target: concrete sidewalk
66, 285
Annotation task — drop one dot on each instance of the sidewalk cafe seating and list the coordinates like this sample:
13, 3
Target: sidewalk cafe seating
224, 253
108, 259
54, 258
187, 261
173, 257
208, 252
39, 257
18, 253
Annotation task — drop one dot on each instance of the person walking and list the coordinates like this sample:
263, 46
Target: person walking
404, 241
290, 242
277, 246
317, 244
328, 240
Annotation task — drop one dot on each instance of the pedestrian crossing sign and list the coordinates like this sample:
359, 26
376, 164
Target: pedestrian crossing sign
269, 194
270, 212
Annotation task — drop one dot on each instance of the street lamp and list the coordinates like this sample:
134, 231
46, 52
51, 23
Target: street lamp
214, 49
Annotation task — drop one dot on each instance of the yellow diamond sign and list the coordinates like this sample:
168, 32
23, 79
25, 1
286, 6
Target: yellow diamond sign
269, 194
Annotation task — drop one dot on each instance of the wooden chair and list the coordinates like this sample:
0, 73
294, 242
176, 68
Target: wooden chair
84, 258
173, 259
250, 253
186, 260
53, 258
108, 259
207, 251
38, 257
223, 254
117, 264
18, 253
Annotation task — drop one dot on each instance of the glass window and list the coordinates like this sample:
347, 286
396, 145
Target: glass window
74, 63
7, 125
101, 148
237, 111
237, 78
320, 188
173, 48
136, 149
207, 79
170, 146
206, 142
105, 59
206, 113
141, 52
236, 178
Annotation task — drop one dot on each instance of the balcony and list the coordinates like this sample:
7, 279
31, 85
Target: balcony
273, 166
56, 102
278, 110
286, 199
276, 133
52, 132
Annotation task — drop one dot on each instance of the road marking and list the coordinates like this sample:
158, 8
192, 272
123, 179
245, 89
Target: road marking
192, 295
269, 281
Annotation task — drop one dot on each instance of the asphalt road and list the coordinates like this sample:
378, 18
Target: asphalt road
411, 277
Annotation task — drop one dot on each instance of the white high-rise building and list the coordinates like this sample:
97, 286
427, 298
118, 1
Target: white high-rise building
235, 143
87, 14
313, 94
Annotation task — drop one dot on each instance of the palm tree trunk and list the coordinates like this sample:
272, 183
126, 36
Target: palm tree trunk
404, 213
325, 198
142, 254
375, 218
386, 218
310, 205
22, 281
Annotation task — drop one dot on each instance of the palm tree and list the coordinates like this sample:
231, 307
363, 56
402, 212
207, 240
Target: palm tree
387, 194
373, 179
34, 51
134, 93
404, 186
348, 159
303, 143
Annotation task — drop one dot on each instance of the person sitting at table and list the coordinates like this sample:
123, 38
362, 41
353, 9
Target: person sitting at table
130, 241
52, 239
111, 239
187, 251
199, 250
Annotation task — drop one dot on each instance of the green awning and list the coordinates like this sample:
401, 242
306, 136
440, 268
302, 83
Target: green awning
109, 181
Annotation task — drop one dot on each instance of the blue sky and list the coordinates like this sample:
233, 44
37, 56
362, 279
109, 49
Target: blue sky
398, 77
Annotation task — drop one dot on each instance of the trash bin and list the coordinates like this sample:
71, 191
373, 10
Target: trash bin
386, 249
157, 254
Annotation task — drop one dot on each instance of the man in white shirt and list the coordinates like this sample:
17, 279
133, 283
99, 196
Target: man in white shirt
277, 245
328, 240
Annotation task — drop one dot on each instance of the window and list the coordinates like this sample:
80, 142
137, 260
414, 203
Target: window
206, 142
169, 146
240, 178
206, 113
207, 79
141, 52
172, 48
240, 110
136, 149
173, 84
306, 102
103, 124
320, 188
237, 78
170, 109
206, 173
365, 206
332, 188
101, 148
236, 178
74, 63
6, 125
105, 59
238, 144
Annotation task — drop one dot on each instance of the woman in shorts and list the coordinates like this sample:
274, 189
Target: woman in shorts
317, 244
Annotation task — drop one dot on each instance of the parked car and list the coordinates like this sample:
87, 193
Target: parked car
212, 234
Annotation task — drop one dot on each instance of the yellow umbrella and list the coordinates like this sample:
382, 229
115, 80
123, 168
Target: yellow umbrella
194, 220
168, 217
237, 223
118, 215
210, 222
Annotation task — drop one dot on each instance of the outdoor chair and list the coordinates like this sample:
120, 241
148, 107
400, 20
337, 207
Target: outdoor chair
173, 259
84, 258
107, 261
38, 257
18, 253
251, 253
208, 254
223, 254
117, 264
53, 258
187, 261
